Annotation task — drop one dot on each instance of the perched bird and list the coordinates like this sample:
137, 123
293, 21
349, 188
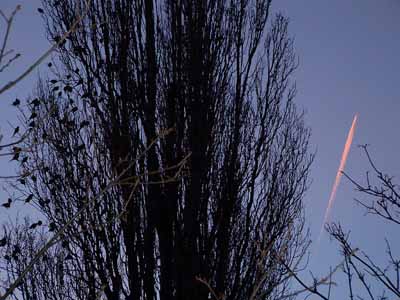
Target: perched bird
16, 130
7, 204
52, 227
40, 10
64, 244
15, 157
35, 102
68, 89
16, 102
34, 225
29, 198
33, 115
17, 149
3, 242
84, 124
16, 252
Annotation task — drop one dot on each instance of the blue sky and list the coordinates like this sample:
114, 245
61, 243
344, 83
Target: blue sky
349, 64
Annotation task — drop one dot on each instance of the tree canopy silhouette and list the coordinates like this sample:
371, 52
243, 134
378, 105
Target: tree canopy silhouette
216, 204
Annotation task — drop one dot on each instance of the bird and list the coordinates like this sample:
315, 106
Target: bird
40, 10
52, 226
16, 102
17, 149
15, 157
29, 198
35, 102
7, 204
68, 89
33, 115
33, 226
16, 130
83, 124
16, 252
3, 242
64, 244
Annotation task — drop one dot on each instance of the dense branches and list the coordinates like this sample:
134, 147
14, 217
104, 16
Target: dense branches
218, 74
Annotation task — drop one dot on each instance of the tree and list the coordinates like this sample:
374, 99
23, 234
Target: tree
366, 277
213, 206
384, 202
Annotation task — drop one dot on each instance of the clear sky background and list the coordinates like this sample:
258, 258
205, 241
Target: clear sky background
349, 63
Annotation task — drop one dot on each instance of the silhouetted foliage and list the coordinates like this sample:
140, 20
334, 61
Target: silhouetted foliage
218, 73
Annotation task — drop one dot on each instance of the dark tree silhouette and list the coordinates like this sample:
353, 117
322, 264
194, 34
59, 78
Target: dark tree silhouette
378, 281
375, 278
213, 207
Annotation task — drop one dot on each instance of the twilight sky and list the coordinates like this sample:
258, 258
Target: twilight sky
349, 64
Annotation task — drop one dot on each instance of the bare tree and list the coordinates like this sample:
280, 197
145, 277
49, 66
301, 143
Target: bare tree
378, 282
366, 276
231, 217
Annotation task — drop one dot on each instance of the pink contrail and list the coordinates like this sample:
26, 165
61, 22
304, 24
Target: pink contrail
339, 173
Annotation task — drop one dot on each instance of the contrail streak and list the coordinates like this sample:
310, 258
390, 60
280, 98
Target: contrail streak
339, 173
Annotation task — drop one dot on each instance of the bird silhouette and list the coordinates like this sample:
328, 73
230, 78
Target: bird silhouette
29, 198
16, 252
33, 115
7, 204
35, 102
34, 225
16, 102
3, 242
52, 226
15, 157
64, 244
16, 130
